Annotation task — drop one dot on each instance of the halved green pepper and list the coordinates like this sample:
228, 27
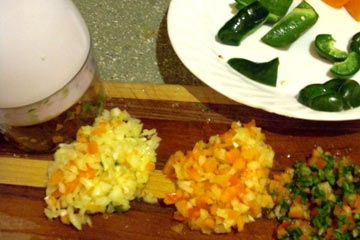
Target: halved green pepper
355, 43
246, 21
277, 8
291, 26
333, 96
324, 44
347, 68
265, 73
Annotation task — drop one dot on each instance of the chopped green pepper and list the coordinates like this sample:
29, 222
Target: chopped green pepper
291, 26
277, 8
265, 73
335, 95
347, 68
246, 21
355, 43
324, 44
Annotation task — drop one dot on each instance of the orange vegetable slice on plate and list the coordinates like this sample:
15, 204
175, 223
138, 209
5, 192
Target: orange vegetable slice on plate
353, 7
336, 3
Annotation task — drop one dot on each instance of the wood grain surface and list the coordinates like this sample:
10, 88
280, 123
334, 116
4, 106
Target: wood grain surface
180, 123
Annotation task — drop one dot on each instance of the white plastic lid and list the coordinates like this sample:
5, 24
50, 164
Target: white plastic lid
43, 44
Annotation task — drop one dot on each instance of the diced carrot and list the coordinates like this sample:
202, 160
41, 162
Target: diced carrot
353, 8
56, 194
233, 180
277, 177
233, 155
194, 212
193, 174
172, 198
213, 209
227, 136
150, 167
92, 147
100, 129
233, 214
321, 163
336, 3
209, 222
201, 201
89, 173
285, 224
240, 164
56, 177
210, 165
250, 124
178, 216
71, 185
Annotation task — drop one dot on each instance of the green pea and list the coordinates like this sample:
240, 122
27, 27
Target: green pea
331, 102
355, 43
350, 93
309, 92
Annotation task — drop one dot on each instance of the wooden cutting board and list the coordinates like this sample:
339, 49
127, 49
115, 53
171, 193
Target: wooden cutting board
182, 116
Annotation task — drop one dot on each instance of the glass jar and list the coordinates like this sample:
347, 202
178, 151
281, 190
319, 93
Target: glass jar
49, 87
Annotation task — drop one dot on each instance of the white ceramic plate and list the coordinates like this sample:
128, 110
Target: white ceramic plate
193, 25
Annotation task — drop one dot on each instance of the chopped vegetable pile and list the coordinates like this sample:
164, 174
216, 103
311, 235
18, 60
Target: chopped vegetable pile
318, 199
106, 168
222, 184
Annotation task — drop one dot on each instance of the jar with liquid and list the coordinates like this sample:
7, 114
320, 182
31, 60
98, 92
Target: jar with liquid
48, 83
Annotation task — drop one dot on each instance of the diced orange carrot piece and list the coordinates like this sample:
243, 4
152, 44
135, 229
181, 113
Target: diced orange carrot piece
336, 3
353, 8
150, 167
209, 222
56, 194
56, 177
92, 147
71, 185
233, 180
233, 214
178, 216
100, 129
233, 155
321, 163
89, 173
194, 212
210, 165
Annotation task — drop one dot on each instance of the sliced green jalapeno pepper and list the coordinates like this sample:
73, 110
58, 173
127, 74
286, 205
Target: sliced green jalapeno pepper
347, 68
277, 8
291, 26
333, 96
324, 44
265, 73
246, 21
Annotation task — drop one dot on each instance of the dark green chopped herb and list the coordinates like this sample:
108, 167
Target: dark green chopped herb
31, 110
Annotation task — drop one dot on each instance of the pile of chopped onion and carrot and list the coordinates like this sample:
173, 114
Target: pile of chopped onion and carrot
352, 6
222, 184
103, 170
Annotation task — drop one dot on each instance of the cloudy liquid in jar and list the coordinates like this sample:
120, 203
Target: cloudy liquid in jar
48, 84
